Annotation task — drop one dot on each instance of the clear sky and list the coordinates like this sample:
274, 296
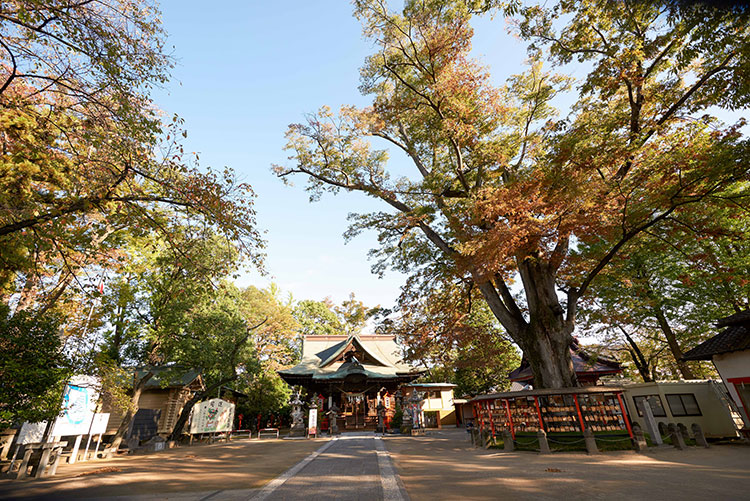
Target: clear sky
247, 69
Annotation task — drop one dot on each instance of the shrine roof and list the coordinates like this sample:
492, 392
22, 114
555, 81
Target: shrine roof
321, 358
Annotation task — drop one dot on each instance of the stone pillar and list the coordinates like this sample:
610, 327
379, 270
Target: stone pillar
508, 445
700, 438
543, 443
333, 412
591, 447
639, 440
651, 425
677, 439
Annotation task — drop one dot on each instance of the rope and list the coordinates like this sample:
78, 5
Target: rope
566, 442
613, 440
533, 440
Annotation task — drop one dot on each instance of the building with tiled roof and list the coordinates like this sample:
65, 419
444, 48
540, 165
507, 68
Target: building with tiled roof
730, 352
588, 367
355, 372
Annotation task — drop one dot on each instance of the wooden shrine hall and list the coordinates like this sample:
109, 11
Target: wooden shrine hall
354, 372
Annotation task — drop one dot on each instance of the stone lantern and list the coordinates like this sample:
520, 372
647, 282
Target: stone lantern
415, 409
298, 417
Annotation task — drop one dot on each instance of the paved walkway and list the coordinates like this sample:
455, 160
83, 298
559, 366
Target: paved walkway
349, 468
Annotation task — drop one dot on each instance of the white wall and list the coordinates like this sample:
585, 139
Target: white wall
732, 365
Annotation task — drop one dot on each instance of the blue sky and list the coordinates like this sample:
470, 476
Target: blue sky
245, 70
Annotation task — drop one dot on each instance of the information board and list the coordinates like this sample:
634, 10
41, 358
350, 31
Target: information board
212, 416
79, 403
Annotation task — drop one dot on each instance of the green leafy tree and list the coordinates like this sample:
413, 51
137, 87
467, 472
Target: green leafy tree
451, 331
316, 318
33, 368
218, 341
504, 190
672, 286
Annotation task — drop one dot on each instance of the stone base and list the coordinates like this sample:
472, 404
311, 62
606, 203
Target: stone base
297, 432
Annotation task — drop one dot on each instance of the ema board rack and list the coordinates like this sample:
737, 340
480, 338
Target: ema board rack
568, 410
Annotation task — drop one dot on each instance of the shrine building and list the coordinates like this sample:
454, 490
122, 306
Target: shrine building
355, 372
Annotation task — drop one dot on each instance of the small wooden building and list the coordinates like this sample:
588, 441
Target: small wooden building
730, 352
588, 367
161, 401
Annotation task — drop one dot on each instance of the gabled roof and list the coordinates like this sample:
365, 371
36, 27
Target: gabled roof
350, 342
170, 376
321, 358
741, 318
585, 365
736, 337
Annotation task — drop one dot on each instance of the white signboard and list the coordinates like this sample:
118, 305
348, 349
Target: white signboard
211, 416
99, 425
79, 404
312, 422
31, 432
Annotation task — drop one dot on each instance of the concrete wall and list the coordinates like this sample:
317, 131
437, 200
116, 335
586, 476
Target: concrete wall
734, 365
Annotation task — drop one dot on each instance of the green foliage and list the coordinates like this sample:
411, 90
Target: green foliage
504, 190
275, 340
670, 288
316, 318
453, 333
33, 369
266, 393
398, 417
319, 318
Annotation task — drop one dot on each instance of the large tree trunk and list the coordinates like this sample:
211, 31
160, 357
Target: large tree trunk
548, 352
127, 419
674, 346
546, 338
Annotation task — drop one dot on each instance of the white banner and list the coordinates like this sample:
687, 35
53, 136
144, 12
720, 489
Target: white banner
211, 416
99, 425
312, 422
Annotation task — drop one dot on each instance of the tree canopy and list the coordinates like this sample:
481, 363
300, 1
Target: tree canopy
506, 190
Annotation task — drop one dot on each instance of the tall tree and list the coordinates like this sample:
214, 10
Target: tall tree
672, 286
504, 189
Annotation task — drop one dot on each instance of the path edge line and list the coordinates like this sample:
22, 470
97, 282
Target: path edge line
277, 482
390, 481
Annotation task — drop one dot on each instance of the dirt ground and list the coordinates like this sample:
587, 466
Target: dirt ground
241, 464
439, 466
443, 465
